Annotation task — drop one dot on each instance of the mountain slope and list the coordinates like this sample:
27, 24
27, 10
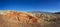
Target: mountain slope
28, 19
48, 19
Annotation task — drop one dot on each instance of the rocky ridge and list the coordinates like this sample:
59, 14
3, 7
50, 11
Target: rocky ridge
25, 19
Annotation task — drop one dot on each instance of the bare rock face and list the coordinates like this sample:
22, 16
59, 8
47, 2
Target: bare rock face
17, 19
48, 20
24, 19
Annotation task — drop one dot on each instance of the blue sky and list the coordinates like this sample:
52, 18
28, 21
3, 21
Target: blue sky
31, 5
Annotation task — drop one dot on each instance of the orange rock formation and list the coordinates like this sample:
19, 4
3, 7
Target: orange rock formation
20, 17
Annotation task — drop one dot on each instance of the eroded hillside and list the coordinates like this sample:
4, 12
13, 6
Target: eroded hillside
25, 19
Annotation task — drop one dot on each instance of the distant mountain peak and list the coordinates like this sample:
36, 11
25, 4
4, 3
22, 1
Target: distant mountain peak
41, 12
57, 13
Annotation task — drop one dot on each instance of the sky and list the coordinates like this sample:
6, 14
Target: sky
31, 5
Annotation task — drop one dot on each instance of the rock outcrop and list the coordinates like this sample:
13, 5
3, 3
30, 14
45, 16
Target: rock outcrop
17, 19
26, 19
48, 20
